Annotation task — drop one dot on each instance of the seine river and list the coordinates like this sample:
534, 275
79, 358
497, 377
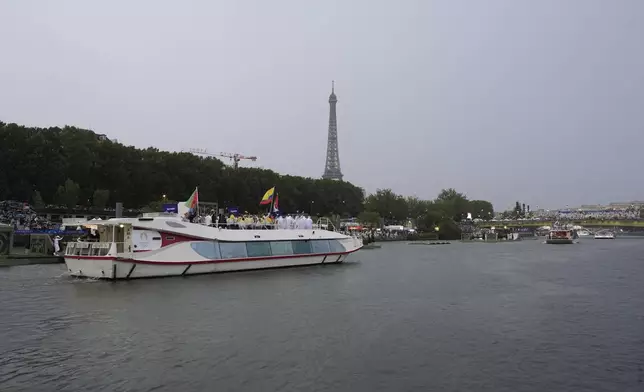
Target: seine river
463, 317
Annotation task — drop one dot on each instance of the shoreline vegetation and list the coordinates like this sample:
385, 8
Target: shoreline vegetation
74, 167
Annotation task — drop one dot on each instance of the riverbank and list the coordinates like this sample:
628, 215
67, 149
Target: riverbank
29, 259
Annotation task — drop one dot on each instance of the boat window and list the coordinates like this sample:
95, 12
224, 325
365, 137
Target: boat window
233, 250
207, 249
258, 248
301, 247
320, 246
336, 246
281, 248
175, 224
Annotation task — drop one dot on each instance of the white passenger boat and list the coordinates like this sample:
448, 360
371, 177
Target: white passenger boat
604, 235
155, 246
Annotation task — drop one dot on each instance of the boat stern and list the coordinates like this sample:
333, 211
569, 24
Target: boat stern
90, 267
91, 259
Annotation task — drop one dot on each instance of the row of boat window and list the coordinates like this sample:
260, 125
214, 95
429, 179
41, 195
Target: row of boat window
234, 250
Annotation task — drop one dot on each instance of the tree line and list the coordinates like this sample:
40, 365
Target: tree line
442, 213
73, 167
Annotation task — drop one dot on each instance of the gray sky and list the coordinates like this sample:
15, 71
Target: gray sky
541, 101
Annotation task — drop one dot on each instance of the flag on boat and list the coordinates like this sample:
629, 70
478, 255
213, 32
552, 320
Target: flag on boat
275, 205
268, 196
193, 200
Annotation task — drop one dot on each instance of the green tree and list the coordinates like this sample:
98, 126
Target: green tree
47, 157
482, 209
388, 205
453, 203
68, 194
37, 200
369, 218
100, 198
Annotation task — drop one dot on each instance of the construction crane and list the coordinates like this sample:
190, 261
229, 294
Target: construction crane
234, 157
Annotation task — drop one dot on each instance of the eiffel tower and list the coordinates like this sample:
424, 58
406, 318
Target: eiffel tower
332, 166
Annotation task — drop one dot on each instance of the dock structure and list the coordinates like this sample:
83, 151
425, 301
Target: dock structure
23, 249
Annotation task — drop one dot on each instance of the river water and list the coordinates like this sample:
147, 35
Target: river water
463, 317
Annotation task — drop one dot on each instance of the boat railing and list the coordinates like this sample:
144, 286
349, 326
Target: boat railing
256, 226
88, 248
325, 223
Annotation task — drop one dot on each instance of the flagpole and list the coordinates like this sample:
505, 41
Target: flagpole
270, 211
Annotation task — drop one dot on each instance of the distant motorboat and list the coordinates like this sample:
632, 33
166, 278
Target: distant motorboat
584, 233
605, 235
561, 237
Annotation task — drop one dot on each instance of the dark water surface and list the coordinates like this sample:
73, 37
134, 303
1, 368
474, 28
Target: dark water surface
462, 317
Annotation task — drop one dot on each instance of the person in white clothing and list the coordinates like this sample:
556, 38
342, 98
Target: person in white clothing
281, 222
57, 245
309, 223
290, 222
298, 222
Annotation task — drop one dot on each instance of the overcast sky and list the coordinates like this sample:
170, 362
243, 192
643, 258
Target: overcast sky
540, 101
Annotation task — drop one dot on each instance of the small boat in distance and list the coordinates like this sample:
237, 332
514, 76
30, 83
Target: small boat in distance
582, 232
561, 237
165, 245
604, 235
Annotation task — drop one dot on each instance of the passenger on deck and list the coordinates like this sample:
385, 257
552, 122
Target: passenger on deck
281, 222
298, 220
290, 222
309, 223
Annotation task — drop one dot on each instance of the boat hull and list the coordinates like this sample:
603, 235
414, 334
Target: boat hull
119, 268
559, 241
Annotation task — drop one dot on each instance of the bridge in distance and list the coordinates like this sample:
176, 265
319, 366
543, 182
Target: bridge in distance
584, 223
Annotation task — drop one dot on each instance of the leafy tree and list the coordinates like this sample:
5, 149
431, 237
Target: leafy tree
36, 198
430, 220
482, 209
387, 204
46, 157
68, 194
100, 198
369, 218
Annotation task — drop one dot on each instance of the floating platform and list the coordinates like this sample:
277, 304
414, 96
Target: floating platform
429, 243
372, 246
29, 259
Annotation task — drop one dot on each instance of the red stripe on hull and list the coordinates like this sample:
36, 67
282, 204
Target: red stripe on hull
211, 261
91, 257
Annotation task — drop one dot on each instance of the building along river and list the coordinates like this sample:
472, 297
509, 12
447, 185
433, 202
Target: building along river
498, 317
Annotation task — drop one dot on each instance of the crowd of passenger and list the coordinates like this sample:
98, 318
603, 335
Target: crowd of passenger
251, 221
630, 213
88, 208
22, 216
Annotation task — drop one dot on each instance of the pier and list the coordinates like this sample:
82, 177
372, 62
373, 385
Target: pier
25, 249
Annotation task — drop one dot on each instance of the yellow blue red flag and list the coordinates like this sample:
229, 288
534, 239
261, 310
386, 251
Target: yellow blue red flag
268, 196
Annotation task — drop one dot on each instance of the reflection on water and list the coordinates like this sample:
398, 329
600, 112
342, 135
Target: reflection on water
487, 317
